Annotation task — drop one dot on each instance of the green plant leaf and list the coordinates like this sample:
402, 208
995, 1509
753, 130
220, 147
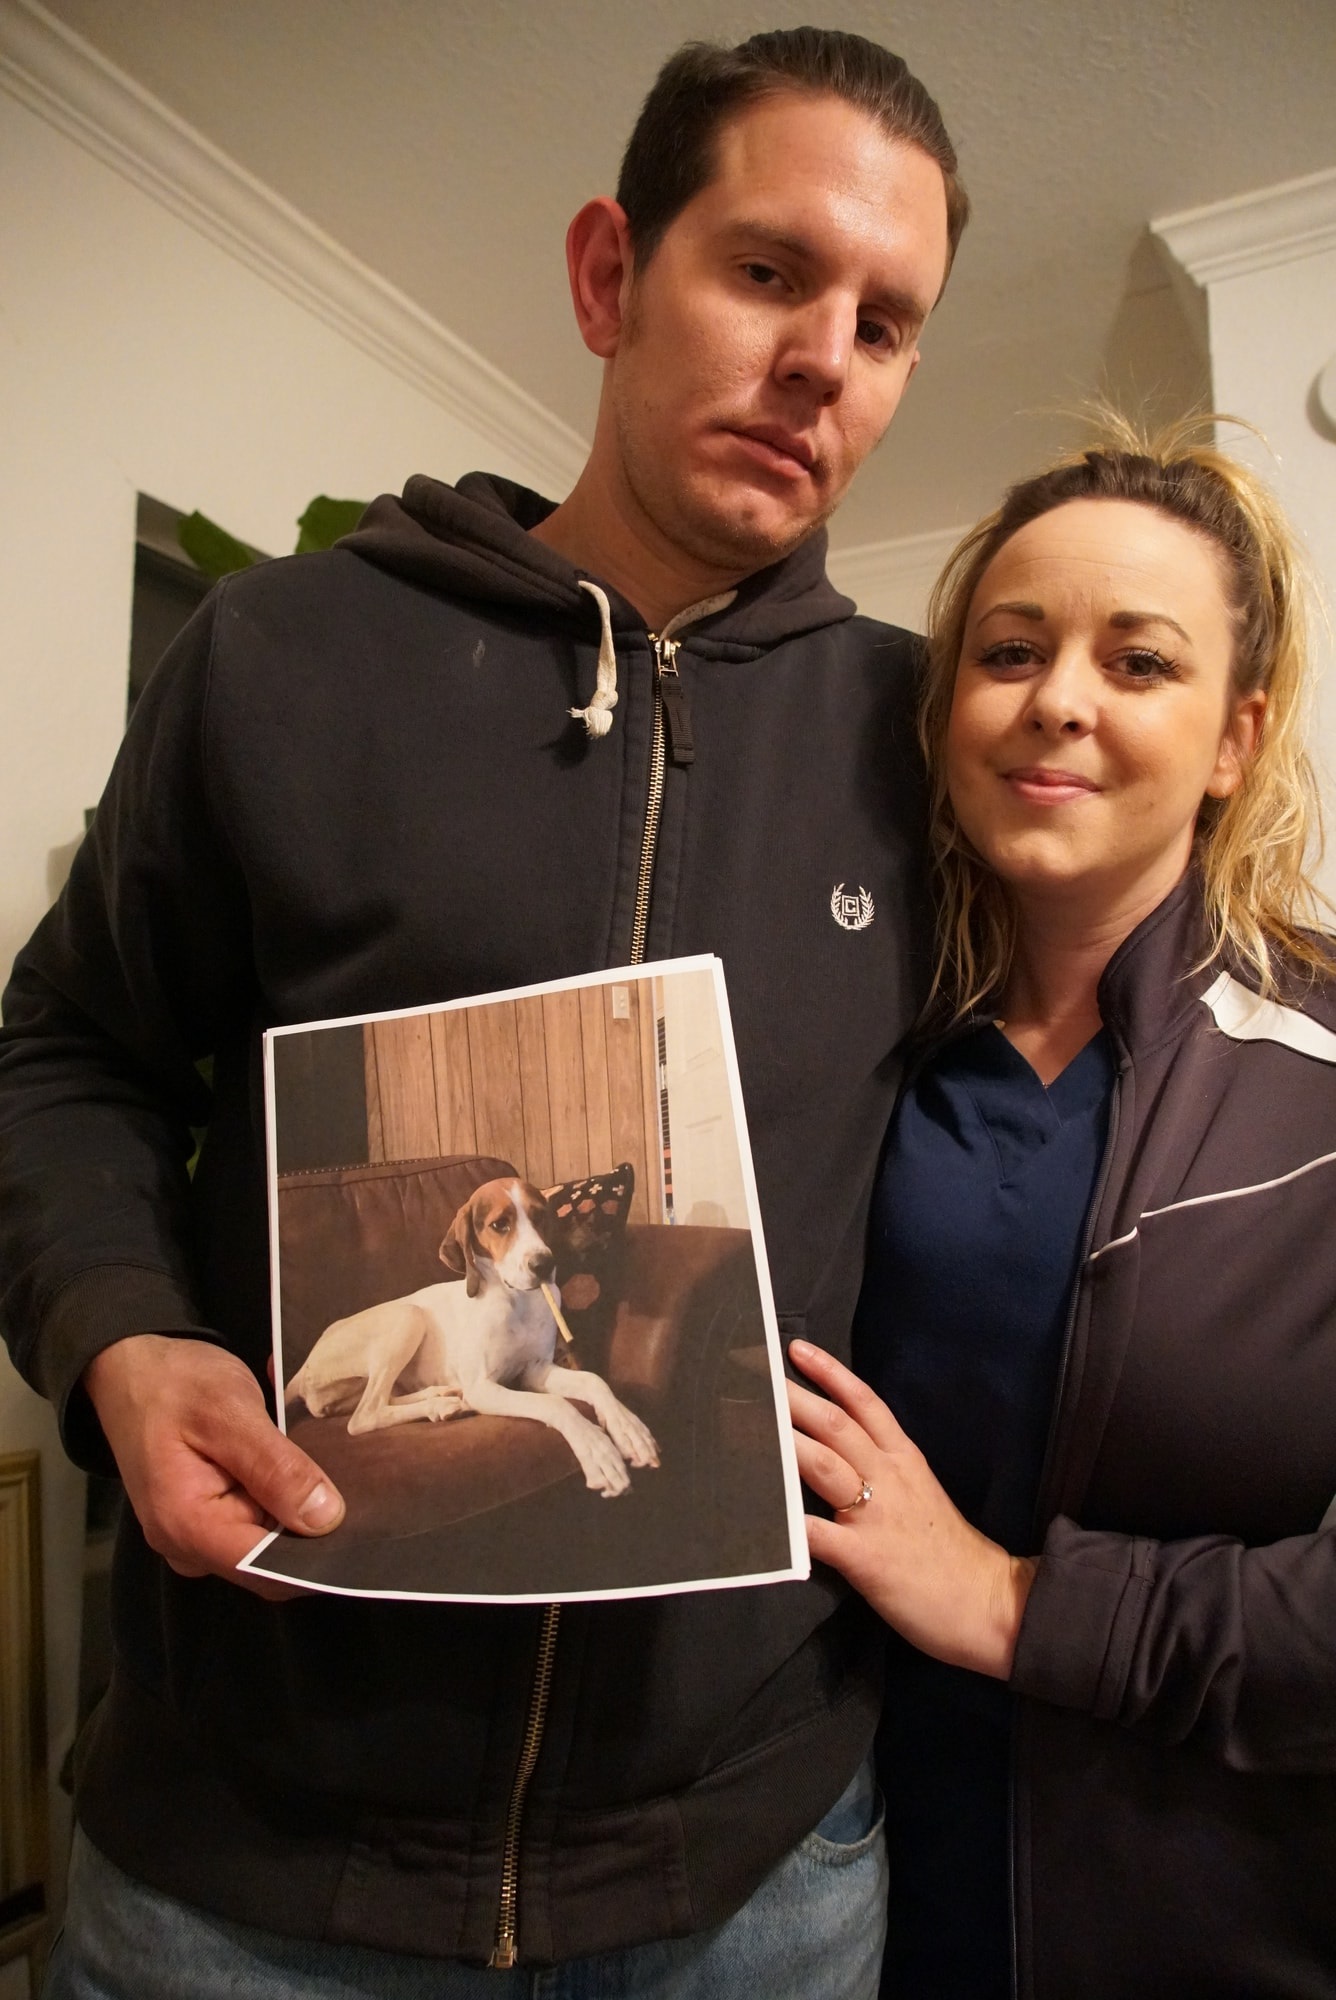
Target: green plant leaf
211, 548
325, 520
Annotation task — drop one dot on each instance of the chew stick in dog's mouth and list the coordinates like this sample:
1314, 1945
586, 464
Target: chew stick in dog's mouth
562, 1327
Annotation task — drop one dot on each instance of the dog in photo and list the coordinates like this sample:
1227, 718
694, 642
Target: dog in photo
487, 1344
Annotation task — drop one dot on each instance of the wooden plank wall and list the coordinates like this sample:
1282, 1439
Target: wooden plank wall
558, 1084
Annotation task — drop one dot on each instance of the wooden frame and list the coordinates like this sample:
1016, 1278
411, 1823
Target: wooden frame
23, 1776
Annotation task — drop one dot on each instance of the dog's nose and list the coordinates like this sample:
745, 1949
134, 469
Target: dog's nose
542, 1263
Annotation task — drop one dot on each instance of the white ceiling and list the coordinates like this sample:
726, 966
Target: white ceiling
447, 143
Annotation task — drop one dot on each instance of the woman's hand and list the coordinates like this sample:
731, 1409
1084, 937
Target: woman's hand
942, 1585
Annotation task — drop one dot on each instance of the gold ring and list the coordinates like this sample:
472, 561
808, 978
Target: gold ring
861, 1501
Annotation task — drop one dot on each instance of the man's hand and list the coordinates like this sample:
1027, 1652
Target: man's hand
206, 1469
942, 1585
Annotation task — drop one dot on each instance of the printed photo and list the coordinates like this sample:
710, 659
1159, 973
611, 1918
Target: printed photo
522, 1313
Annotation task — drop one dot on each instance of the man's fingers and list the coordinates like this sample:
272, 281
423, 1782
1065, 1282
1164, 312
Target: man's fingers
225, 1544
848, 1393
206, 1469
184, 1565
208, 1527
249, 1474
259, 1586
280, 1478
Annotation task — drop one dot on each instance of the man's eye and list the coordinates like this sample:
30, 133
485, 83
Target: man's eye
875, 333
761, 274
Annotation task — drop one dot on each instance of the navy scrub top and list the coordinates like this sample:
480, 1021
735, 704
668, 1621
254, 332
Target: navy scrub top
976, 1234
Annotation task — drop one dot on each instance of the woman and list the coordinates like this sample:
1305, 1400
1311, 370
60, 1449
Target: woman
1101, 1293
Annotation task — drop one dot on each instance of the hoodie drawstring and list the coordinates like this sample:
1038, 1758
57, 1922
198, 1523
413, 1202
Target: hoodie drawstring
597, 718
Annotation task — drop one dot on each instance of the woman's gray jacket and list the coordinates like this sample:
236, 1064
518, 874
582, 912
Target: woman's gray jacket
1175, 1796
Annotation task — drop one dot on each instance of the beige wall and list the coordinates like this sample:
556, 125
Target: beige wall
1272, 332
1262, 270
137, 356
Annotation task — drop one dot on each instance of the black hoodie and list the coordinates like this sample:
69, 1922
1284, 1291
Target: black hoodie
355, 783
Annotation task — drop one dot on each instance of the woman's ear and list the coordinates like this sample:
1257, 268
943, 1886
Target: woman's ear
1238, 746
599, 266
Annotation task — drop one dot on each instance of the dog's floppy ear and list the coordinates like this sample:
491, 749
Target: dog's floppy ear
459, 1248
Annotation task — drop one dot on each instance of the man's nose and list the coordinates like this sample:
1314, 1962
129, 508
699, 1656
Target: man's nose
818, 342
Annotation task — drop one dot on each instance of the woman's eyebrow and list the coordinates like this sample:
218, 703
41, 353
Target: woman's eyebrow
1121, 621
1034, 612
1133, 621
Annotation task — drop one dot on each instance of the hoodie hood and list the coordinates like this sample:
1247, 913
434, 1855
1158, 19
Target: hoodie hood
472, 541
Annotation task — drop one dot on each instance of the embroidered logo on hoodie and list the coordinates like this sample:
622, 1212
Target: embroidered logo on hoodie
852, 913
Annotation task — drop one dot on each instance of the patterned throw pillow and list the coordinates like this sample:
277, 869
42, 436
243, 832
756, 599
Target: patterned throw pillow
590, 1243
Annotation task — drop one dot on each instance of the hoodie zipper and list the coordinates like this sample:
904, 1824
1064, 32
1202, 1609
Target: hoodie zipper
672, 736
504, 1948
666, 721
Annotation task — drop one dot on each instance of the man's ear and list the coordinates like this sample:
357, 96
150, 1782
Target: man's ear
458, 1249
599, 265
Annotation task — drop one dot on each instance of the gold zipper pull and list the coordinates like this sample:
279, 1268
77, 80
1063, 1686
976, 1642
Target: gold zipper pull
673, 695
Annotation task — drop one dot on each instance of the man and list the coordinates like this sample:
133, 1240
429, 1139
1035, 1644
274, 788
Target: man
486, 742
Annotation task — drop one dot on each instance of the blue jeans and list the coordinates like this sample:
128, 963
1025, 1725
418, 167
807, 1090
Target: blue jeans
813, 1931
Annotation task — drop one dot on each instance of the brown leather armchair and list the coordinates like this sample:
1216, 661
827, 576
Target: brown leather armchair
677, 1305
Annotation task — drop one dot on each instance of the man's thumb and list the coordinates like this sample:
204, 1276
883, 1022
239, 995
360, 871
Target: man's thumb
321, 1510
292, 1487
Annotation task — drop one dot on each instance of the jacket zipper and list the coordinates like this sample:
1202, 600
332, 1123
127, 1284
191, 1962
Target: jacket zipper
1093, 1220
1092, 1229
670, 722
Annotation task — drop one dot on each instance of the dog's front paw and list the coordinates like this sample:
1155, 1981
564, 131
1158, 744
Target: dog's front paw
444, 1403
603, 1466
633, 1439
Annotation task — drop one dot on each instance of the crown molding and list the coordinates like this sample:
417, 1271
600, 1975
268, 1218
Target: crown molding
62, 78
891, 579
1253, 232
